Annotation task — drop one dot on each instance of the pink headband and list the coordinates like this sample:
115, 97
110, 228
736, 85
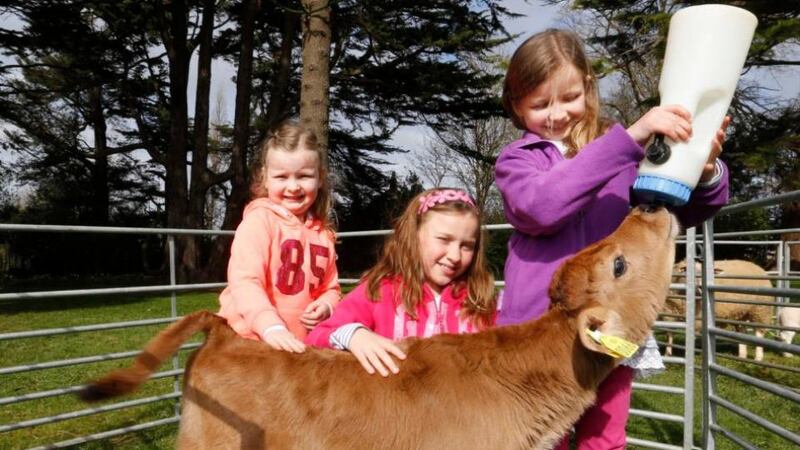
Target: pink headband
427, 202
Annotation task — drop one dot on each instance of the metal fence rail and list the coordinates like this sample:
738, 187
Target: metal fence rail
173, 288
711, 369
111, 433
73, 389
76, 361
699, 247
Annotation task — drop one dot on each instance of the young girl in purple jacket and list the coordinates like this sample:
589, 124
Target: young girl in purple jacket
566, 184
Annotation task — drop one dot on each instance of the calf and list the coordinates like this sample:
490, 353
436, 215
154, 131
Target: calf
513, 387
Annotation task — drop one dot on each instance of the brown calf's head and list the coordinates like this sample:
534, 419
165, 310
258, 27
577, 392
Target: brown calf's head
618, 285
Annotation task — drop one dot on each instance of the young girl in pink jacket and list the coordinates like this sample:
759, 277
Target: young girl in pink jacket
431, 278
282, 277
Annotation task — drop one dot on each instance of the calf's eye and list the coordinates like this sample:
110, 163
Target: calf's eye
620, 266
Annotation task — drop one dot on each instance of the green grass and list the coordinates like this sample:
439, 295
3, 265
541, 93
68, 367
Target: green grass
52, 313
777, 410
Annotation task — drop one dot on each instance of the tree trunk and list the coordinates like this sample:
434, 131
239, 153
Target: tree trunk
278, 95
100, 193
200, 178
241, 132
316, 73
241, 120
178, 53
100, 201
173, 31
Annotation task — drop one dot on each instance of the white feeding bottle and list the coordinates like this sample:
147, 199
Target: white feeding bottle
706, 49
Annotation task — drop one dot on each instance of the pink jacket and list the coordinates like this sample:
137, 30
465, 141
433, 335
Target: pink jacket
389, 319
278, 266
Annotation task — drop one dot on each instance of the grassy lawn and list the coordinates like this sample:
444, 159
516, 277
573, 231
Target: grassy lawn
777, 410
52, 313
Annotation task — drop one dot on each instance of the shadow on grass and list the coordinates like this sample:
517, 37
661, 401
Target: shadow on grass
158, 438
659, 430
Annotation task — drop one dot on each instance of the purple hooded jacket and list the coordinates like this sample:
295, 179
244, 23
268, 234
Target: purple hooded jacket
559, 206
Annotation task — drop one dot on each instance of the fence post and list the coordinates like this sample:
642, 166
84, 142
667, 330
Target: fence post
176, 385
709, 341
689, 352
786, 266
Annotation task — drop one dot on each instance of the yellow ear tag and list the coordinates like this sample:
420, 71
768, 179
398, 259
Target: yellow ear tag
615, 346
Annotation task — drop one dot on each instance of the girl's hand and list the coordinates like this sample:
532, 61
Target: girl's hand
716, 148
673, 121
315, 312
374, 352
284, 340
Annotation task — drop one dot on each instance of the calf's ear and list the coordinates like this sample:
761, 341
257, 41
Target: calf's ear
568, 287
598, 317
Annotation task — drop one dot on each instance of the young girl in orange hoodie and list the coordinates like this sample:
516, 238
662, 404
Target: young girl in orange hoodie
282, 277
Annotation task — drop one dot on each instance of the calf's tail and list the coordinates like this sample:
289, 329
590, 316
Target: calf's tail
161, 347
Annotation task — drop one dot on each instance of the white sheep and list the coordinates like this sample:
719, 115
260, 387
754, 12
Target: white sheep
730, 311
788, 317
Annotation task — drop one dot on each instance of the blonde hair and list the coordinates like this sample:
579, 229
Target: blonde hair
535, 61
290, 137
401, 259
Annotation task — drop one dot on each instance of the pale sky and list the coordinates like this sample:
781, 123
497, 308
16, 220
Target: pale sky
536, 18
782, 82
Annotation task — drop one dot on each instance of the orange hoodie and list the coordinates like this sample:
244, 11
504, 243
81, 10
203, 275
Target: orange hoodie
278, 266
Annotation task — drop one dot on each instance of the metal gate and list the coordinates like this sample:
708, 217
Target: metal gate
698, 247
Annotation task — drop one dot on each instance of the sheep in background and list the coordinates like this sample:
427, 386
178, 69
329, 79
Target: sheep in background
788, 317
730, 311
673, 307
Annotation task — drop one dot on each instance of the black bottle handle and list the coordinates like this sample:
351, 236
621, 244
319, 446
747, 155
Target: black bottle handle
658, 152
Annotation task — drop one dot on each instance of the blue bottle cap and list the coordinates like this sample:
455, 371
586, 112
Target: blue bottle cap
654, 189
